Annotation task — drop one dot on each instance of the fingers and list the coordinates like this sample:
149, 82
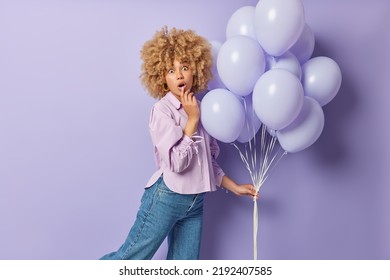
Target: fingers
251, 191
182, 90
187, 97
254, 192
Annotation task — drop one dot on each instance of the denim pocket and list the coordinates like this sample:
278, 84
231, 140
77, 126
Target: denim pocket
149, 191
165, 189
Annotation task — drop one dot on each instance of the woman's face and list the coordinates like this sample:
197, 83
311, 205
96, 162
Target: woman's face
179, 78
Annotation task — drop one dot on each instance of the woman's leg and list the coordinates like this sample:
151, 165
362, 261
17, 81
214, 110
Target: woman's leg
185, 237
151, 227
160, 210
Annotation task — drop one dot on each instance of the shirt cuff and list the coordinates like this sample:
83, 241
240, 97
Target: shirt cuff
218, 178
184, 146
186, 141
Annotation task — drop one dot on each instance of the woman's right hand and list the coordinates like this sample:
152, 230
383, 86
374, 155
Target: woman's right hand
190, 104
191, 107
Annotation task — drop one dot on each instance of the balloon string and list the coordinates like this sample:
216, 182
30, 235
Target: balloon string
259, 162
255, 227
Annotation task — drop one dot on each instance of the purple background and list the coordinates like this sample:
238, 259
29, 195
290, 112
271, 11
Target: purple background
75, 150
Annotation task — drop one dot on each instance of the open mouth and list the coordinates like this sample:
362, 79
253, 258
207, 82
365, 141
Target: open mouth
182, 86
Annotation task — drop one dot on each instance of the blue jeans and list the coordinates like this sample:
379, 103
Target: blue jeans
164, 213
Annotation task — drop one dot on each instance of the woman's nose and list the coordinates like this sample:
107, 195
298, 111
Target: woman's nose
179, 75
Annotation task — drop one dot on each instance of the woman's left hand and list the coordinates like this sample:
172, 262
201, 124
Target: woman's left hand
246, 189
243, 189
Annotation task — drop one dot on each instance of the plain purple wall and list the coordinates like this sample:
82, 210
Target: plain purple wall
75, 151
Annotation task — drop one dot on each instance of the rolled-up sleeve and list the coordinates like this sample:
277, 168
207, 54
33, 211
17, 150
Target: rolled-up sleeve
218, 172
173, 146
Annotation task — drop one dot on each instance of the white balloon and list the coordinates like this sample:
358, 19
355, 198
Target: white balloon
321, 79
242, 22
277, 98
278, 24
240, 63
252, 122
216, 81
305, 129
222, 115
286, 61
304, 47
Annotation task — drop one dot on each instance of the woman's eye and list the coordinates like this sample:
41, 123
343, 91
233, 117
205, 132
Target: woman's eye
171, 71
185, 68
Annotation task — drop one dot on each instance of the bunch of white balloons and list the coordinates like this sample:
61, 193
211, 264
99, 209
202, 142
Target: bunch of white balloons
264, 74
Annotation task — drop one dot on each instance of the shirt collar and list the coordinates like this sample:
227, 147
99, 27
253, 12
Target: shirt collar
175, 102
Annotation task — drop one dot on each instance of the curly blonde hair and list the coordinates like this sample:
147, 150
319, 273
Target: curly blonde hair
159, 53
